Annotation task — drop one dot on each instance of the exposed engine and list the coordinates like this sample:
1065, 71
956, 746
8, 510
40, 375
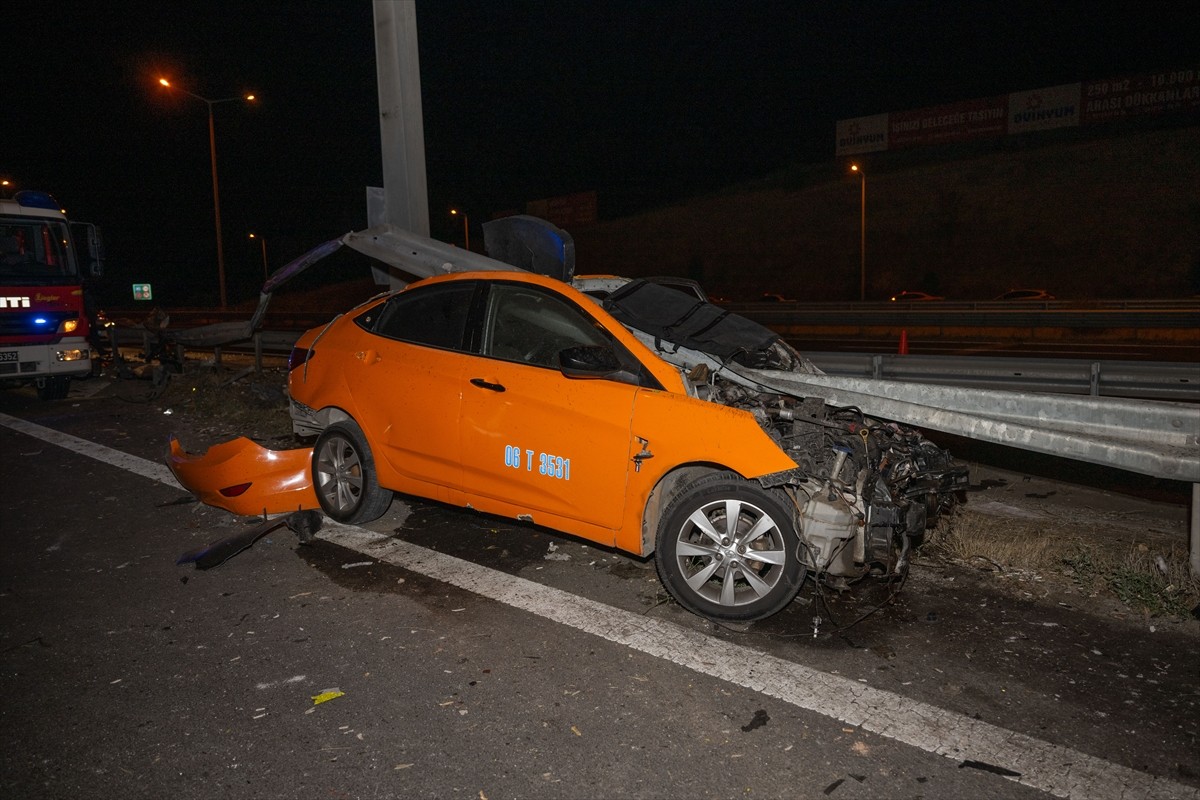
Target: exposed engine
865, 491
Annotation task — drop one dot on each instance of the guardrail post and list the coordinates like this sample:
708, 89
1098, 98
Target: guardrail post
1095, 379
877, 366
1194, 531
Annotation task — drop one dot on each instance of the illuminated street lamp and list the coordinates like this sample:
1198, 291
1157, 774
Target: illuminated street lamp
212, 150
454, 212
263, 241
862, 284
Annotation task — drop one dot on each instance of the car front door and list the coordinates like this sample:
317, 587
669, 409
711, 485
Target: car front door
533, 439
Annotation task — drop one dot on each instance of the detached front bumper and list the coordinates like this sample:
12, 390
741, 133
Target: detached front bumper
245, 478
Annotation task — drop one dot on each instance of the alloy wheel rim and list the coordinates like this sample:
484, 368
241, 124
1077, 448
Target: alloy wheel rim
730, 552
340, 473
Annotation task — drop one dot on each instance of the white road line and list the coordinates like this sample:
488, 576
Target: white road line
1060, 771
127, 462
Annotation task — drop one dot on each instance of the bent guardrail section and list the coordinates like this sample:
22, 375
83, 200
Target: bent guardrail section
1160, 439
1150, 380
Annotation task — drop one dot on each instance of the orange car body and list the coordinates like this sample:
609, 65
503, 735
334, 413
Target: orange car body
558, 451
583, 456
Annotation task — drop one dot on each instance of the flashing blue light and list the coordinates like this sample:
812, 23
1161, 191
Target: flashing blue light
32, 199
40, 321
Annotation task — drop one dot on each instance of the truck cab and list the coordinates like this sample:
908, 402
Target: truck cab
44, 323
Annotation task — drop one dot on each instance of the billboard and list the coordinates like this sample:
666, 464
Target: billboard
862, 135
956, 122
1064, 106
1044, 109
1121, 98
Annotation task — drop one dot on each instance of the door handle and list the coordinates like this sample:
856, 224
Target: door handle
482, 384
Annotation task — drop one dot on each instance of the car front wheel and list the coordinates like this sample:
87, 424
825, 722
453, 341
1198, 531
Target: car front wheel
343, 473
727, 549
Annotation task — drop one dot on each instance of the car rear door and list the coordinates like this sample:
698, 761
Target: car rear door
406, 381
534, 440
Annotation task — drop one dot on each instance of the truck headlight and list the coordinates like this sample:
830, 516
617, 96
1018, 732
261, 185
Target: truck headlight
73, 355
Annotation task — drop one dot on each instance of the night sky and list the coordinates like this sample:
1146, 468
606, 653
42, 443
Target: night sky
643, 101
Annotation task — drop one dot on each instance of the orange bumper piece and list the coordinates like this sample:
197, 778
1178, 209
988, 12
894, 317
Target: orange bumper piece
246, 478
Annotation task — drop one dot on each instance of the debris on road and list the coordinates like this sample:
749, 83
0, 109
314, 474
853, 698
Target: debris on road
551, 555
327, 695
305, 524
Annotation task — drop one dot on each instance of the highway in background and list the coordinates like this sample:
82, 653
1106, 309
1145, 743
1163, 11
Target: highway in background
1110, 330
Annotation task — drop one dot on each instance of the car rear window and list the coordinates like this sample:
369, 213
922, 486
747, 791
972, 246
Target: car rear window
430, 315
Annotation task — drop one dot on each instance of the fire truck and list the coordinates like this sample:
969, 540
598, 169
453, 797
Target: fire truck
44, 275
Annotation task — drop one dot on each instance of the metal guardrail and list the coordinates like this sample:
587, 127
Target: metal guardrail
1152, 438
278, 343
1034, 315
1135, 379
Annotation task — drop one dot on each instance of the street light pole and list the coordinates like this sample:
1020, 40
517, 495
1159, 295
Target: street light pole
212, 152
862, 280
263, 241
454, 212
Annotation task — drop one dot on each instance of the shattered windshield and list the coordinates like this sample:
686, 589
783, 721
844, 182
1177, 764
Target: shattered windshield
35, 252
676, 316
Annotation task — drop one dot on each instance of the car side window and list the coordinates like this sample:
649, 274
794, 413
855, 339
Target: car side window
529, 325
435, 316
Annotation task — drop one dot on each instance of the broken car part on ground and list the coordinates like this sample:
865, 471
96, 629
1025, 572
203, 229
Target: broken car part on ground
305, 524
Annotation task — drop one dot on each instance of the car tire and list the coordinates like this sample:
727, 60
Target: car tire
727, 549
343, 472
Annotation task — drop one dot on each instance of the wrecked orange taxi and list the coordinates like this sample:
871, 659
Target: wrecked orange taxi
629, 413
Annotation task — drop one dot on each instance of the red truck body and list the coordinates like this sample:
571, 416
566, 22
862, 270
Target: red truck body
44, 323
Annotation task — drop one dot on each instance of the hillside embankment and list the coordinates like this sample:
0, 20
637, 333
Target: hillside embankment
1111, 217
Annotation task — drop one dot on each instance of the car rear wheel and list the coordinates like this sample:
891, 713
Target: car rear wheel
727, 549
343, 472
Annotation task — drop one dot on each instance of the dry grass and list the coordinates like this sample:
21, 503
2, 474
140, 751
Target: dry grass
1149, 577
1006, 543
230, 401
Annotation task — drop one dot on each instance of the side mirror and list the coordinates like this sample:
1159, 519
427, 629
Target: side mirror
91, 249
96, 251
595, 362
